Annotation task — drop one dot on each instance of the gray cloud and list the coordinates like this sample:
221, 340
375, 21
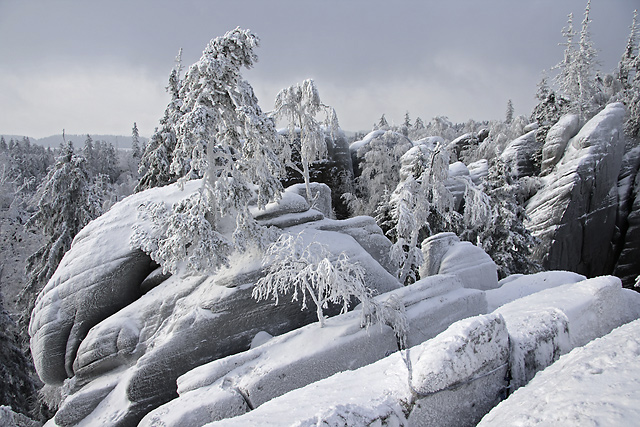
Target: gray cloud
99, 66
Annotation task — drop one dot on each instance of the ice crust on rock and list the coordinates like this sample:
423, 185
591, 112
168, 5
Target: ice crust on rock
592, 385
556, 141
444, 253
518, 155
549, 323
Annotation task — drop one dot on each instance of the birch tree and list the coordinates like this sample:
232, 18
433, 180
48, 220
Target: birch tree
299, 105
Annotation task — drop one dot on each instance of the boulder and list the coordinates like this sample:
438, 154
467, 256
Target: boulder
574, 212
627, 266
442, 390
444, 253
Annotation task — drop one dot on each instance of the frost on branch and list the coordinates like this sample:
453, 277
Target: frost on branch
182, 235
299, 105
313, 271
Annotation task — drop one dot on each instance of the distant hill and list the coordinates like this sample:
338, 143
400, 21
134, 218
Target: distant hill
53, 141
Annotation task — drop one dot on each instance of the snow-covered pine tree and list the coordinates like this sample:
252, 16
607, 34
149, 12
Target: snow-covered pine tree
509, 114
135, 142
64, 204
626, 64
504, 237
223, 137
17, 388
576, 77
155, 163
299, 105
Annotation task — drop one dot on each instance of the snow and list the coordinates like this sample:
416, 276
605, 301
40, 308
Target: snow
310, 353
471, 264
356, 145
592, 385
518, 286
478, 170
379, 393
546, 324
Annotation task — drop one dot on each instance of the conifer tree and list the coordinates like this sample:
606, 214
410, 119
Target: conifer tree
64, 205
135, 142
222, 136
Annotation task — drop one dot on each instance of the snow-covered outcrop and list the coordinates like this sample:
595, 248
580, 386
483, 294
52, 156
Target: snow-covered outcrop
574, 212
460, 374
379, 394
627, 265
519, 154
124, 349
444, 253
593, 385
309, 354
556, 141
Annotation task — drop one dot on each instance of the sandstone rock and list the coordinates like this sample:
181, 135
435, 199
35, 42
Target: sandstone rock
574, 212
519, 155
445, 254
556, 141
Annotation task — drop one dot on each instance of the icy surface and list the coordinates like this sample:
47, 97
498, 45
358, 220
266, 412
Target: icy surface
593, 385
556, 141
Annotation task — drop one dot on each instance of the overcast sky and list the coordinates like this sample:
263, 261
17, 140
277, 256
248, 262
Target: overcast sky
97, 66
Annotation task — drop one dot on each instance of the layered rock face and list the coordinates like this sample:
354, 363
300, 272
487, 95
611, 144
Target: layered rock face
119, 335
574, 214
519, 154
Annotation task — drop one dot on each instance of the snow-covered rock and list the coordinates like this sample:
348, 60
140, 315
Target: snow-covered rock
549, 323
519, 285
456, 183
309, 354
519, 154
124, 350
627, 265
444, 253
461, 143
556, 141
447, 372
593, 385
478, 170
574, 212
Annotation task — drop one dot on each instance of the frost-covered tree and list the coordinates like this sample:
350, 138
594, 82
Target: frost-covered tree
379, 173
223, 137
420, 201
135, 142
626, 66
576, 77
155, 163
310, 269
17, 388
299, 106
509, 114
64, 204
504, 237
382, 124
